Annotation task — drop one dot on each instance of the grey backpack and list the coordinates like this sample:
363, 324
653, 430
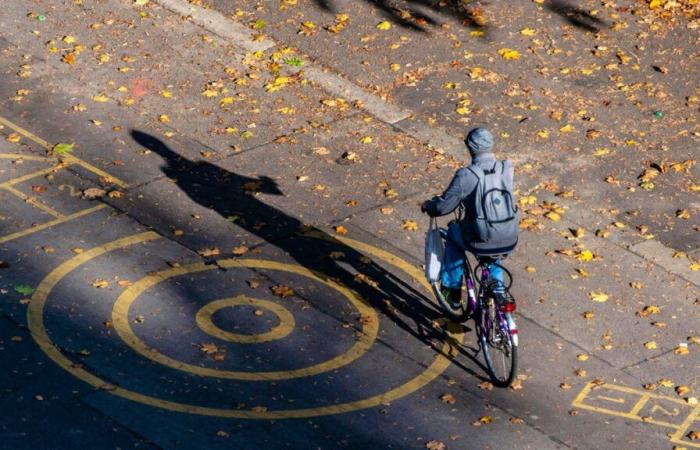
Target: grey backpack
497, 215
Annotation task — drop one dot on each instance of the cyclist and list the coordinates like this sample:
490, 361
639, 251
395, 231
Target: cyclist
464, 234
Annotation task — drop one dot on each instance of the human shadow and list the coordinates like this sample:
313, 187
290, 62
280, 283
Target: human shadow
418, 14
234, 195
575, 15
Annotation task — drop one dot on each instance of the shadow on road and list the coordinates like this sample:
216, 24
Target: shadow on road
416, 14
231, 194
575, 15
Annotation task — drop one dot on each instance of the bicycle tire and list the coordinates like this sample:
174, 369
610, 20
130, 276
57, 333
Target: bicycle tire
498, 380
460, 314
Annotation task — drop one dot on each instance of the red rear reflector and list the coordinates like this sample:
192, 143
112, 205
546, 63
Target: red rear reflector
508, 307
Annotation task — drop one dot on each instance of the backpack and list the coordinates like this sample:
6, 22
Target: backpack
497, 215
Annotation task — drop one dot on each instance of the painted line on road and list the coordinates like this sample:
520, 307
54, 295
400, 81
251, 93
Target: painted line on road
50, 224
218, 24
70, 159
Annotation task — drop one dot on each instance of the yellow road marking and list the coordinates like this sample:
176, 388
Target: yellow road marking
25, 157
70, 159
33, 201
206, 324
610, 399
35, 321
121, 323
50, 224
31, 175
633, 413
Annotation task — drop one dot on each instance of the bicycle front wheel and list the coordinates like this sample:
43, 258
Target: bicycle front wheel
499, 345
457, 312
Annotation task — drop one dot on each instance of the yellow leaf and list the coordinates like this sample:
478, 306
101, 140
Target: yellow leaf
653, 4
683, 214
568, 128
13, 137
651, 345
585, 256
580, 232
527, 32
509, 53
409, 225
462, 111
601, 152
341, 230
582, 357
104, 57
69, 39
286, 110
100, 98
164, 118
477, 33
665, 382
395, 67
597, 296
694, 267
366, 140
544, 134
209, 93
384, 25
475, 73
226, 101
681, 350
551, 215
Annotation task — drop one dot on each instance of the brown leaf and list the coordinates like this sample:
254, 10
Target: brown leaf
448, 398
90, 193
240, 250
435, 445
206, 252
283, 291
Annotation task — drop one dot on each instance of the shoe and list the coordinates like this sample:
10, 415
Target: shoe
453, 296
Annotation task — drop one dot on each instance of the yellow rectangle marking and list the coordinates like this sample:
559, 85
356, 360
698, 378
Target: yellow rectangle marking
31, 175
684, 428
34, 202
610, 399
71, 159
46, 225
25, 157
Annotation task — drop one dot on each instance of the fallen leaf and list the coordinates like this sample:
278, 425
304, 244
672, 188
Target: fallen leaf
509, 53
283, 291
650, 345
206, 252
409, 225
385, 25
597, 296
340, 230
448, 398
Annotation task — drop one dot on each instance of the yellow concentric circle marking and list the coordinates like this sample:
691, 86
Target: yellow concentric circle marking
120, 321
206, 324
35, 321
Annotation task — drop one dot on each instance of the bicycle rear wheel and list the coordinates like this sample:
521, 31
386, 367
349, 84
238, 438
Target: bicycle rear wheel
499, 345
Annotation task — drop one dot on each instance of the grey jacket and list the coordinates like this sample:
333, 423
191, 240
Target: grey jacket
462, 190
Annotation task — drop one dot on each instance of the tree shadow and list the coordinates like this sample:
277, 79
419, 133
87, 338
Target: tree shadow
233, 195
417, 14
575, 15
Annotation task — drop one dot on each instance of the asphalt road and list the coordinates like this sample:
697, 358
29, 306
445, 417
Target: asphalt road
226, 253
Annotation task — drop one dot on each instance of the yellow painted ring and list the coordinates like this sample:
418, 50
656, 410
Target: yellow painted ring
120, 321
205, 322
35, 321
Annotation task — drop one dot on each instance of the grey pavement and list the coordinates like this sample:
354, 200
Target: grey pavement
206, 173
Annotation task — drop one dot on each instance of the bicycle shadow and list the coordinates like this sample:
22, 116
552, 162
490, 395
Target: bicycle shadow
231, 194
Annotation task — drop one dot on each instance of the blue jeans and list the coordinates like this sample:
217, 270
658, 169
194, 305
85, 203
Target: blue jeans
453, 264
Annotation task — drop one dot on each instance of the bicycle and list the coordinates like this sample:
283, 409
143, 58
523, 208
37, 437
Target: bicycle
495, 326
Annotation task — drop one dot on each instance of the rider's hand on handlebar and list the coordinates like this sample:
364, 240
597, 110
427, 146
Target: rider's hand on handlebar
424, 206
